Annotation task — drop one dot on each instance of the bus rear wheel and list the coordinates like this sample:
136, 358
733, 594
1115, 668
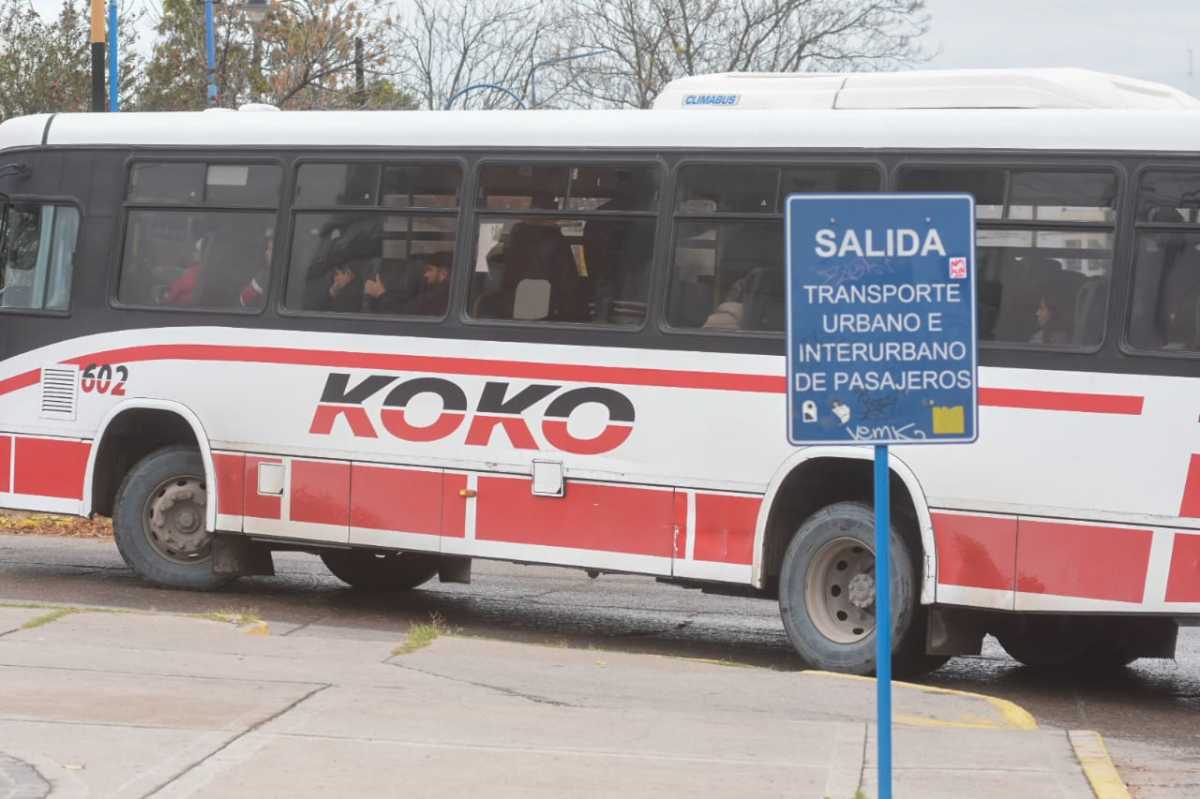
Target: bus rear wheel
369, 570
1065, 642
827, 595
158, 521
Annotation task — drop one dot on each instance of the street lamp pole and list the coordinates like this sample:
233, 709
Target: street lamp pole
533, 70
210, 46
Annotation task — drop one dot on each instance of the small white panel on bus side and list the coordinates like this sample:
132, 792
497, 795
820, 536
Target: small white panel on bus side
547, 479
270, 478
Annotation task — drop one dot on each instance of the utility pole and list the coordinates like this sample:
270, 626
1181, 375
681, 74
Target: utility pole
97, 55
360, 74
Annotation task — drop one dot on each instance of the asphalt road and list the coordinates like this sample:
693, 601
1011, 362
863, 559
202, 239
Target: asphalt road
1147, 712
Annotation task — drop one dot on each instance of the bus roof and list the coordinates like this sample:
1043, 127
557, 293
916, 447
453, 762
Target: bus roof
921, 89
1084, 130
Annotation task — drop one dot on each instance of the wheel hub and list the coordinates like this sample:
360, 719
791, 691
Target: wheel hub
175, 520
840, 591
862, 591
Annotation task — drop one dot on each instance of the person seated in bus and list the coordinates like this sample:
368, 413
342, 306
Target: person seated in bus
1053, 328
254, 293
183, 289
729, 314
433, 296
536, 250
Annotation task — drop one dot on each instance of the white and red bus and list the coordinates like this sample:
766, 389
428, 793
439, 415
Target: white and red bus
406, 340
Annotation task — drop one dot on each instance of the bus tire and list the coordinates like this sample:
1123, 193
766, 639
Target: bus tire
826, 594
158, 521
1068, 643
370, 570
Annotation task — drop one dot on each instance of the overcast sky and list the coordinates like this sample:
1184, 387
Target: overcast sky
1146, 39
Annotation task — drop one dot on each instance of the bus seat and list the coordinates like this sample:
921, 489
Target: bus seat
1091, 300
765, 300
532, 299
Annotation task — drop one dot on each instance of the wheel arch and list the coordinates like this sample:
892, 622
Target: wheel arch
100, 457
804, 461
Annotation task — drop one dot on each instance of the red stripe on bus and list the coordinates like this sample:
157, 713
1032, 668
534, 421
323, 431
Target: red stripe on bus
1061, 401
1078, 560
399, 500
725, 528
18, 382
616, 375
1189, 506
5, 462
1183, 581
260, 506
976, 551
600, 518
50, 467
320, 492
622, 375
230, 469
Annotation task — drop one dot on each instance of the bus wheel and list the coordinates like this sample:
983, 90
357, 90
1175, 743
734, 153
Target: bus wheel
827, 594
158, 521
368, 570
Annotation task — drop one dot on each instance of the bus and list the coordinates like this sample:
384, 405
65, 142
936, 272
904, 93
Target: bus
406, 340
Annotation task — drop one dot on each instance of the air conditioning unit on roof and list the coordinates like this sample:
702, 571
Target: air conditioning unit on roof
925, 89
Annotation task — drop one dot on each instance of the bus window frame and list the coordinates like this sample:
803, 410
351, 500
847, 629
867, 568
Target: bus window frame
384, 159
475, 214
1148, 164
1008, 162
61, 201
809, 159
208, 158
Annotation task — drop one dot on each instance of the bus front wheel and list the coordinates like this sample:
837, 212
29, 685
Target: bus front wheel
368, 570
158, 521
827, 594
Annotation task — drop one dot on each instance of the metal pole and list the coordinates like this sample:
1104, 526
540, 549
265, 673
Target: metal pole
360, 73
114, 61
533, 70
97, 55
474, 86
883, 622
211, 46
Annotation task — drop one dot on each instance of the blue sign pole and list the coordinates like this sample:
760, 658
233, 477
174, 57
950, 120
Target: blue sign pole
883, 618
114, 71
210, 47
881, 351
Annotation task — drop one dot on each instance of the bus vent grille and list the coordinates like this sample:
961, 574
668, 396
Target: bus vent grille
59, 387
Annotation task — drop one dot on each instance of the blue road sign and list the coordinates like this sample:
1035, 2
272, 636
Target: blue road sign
881, 319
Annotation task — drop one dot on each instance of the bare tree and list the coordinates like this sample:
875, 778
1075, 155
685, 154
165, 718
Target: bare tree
652, 42
441, 47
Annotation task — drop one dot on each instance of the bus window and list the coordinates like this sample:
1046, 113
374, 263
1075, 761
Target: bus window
1165, 308
587, 261
196, 259
1045, 249
38, 256
728, 275
373, 260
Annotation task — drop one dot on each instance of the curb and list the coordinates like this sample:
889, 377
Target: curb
1098, 767
1013, 715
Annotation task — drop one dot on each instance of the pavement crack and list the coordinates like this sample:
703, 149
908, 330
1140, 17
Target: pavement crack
500, 689
234, 739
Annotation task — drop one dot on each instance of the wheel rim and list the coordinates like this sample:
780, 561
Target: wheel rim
173, 520
840, 591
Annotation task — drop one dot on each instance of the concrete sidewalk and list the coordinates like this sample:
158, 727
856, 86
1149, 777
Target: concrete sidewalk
118, 704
